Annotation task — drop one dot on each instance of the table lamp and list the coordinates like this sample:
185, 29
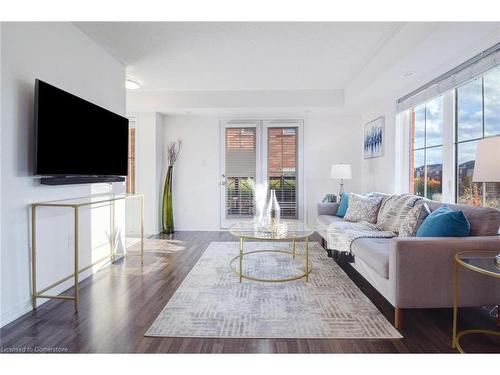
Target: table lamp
487, 165
341, 172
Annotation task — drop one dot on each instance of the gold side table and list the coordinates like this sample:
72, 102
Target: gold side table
292, 230
482, 262
75, 205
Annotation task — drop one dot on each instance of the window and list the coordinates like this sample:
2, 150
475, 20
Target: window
260, 154
477, 116
426, 149
130, 180
240, 162
282, 168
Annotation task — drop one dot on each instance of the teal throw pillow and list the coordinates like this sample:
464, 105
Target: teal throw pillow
444, 222
344, 203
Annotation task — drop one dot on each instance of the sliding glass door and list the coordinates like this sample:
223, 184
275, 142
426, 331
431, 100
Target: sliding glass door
259, 152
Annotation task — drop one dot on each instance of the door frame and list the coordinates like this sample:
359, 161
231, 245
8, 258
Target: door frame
225, 223
262, 123
288, 123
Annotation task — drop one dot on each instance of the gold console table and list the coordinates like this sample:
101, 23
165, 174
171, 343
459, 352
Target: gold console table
75, 204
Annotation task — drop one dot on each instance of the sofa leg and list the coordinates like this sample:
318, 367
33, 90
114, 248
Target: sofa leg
398, 318
329, 253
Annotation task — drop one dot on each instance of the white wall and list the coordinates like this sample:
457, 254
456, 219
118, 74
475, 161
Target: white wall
379, 174
62, 55
196, 173
149, 167
1, 113
328, 139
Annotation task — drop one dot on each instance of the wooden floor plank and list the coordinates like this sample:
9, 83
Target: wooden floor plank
119, 303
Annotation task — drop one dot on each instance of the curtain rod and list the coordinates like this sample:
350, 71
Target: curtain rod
453, 71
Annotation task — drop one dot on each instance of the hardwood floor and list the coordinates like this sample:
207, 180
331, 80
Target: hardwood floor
119, 303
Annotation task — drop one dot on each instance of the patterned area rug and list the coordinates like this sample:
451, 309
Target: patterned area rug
212, 303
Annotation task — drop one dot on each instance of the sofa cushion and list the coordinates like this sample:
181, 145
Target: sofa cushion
394, 210
414, 220
363, 208
374, 252
325, 220
344, 203
444, 222
484, 221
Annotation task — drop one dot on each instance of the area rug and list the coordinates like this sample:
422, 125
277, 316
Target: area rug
212, 303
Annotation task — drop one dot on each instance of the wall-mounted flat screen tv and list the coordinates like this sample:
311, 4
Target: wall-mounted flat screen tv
77, 138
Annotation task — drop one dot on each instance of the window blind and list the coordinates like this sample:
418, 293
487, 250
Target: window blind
478, 65
241, 153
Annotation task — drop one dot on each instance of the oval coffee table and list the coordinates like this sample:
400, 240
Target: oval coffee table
287, 231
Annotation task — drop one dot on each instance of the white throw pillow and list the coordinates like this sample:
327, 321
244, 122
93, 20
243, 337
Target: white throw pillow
415, 217
362, 208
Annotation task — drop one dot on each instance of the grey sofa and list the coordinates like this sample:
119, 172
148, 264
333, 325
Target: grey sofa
417, 272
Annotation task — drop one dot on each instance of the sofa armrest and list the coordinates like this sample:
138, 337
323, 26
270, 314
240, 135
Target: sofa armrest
328, 208
421, 272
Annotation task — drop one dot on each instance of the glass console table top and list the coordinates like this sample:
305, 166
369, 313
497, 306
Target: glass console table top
88, 200
287, 230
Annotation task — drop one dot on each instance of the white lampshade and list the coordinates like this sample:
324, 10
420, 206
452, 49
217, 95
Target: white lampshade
487, 166
341, 172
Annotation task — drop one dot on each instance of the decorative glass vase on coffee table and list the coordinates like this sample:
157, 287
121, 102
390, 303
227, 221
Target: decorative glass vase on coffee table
287, 231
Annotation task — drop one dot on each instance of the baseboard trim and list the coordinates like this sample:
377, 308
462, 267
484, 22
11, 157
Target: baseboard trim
16, 312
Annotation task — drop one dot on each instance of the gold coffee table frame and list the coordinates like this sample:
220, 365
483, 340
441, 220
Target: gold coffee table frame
459, 262
75, 204
244, 231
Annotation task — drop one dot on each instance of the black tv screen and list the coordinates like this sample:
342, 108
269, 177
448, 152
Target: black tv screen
77, 138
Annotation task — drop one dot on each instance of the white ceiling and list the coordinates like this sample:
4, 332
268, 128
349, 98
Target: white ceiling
242, 56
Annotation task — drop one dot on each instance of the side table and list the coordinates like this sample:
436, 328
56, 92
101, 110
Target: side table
482, 262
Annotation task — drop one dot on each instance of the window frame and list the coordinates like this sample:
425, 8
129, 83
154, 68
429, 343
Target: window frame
456, 141
411, 177
450, 142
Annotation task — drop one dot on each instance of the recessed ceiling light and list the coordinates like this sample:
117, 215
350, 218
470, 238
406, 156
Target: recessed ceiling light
132, 84
408, 74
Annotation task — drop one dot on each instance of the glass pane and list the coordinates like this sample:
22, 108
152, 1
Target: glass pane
418, 128
282, 168
240, 167
434, 122
492, 103
468, 192
239, 195
434, 164
492, 195
418, 165
470, 111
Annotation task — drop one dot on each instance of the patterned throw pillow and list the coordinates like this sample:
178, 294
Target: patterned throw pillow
362, 208
414, 219
394, 210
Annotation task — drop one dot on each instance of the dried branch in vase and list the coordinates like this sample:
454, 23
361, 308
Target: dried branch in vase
173, 151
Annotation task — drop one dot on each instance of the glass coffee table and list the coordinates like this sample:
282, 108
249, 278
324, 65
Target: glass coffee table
482, 262
290, 231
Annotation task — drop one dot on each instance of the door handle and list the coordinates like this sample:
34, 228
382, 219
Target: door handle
224, 180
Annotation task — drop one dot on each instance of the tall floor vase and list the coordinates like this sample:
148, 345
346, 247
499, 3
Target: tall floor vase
167, 209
